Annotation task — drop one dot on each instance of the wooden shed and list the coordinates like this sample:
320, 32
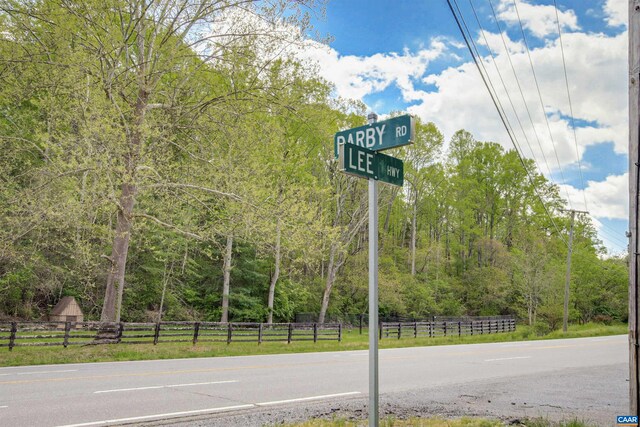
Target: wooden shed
67, 310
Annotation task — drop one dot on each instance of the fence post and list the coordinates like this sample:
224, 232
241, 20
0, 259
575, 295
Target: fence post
459, 329
290, 334
399, 330
12, 337
445, 327
430, 329
380, 329
361, 317
339, 332
260, 333
229, 333
196, 332
67, 329
482, 327
120, 331
315, 332
156, 334
415, 329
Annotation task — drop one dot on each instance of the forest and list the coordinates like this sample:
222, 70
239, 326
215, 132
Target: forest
174, 160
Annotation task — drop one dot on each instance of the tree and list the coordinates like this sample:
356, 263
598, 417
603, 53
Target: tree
532, 267
417, 158
160, 68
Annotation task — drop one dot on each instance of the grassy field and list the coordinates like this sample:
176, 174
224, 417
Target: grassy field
352, 340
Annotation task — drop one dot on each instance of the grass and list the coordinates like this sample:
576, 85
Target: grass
440, 422
352, 340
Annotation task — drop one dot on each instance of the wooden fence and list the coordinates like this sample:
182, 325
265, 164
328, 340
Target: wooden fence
443, 327
18, 334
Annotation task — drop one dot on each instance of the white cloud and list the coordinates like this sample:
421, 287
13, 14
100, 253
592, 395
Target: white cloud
617, 12
596, 66
356, 76
500, 43
605, 199
539, 19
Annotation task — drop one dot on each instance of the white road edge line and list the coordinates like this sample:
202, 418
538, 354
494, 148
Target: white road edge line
46, 372
304, 399
162, 386
205, 411
39, 372
2, 407
160, 416
508, 358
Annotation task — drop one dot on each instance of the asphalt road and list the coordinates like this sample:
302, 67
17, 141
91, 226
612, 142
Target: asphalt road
576, 378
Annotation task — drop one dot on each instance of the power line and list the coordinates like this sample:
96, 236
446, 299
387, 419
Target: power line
566, 82
502, 116
506, 90
515, 75
535, 79
613, 236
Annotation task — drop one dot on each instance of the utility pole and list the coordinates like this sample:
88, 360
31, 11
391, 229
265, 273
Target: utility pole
634, 164
565, 317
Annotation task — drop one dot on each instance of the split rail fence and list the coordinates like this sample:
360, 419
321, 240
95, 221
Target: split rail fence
21, 334
445, 327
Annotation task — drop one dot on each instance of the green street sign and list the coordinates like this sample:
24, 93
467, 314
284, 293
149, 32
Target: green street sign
378, 136
365, 163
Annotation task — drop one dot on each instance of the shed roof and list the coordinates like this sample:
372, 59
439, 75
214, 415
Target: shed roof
67, 305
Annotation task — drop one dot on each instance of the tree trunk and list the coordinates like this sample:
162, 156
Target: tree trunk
332, 269
276, 273
413, 236
165, 282
115, 278
120, 249
394, 194
226, 280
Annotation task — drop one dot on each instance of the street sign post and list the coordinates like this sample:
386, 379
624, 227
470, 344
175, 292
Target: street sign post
357, 153
378, 136
365, 163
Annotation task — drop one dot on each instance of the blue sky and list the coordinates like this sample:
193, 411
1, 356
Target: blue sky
409, 55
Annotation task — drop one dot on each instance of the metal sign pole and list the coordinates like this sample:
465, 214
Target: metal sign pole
373, 297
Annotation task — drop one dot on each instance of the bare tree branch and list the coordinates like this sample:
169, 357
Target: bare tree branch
170, 226
194, 187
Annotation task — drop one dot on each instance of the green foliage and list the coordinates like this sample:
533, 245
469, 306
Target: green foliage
18, 294
241, 145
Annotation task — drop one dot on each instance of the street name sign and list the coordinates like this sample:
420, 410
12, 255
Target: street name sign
378, 136
361, 162
357, 151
